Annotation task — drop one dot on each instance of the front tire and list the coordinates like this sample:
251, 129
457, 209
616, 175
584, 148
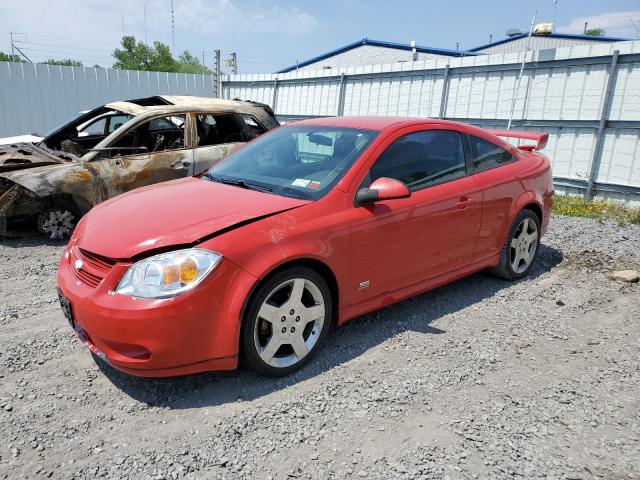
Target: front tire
521, 247
286, 322
57, 223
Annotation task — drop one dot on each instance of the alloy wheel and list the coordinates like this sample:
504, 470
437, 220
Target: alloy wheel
58, 224
523, 245
289, 322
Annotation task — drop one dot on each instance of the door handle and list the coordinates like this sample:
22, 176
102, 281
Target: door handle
464, 202
181, 164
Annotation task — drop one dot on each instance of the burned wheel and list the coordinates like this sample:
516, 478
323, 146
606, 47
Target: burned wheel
56, 223
286, 322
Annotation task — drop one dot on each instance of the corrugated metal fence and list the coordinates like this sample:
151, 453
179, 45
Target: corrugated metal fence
36, 97
587, 97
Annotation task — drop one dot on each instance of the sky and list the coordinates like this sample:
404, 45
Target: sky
269, 35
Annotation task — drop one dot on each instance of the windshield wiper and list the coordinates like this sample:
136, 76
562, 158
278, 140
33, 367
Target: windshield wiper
239, 183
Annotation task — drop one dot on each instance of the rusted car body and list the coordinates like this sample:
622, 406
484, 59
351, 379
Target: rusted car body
127, 145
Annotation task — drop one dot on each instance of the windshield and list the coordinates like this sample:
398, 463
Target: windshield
58, 126
303, 161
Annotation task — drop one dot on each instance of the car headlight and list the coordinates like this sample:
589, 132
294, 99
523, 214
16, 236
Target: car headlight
168, 274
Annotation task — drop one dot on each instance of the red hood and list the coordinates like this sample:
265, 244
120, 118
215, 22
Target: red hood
173, 213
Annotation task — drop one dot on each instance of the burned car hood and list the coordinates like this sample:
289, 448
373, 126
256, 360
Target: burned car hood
176, 213
18, 156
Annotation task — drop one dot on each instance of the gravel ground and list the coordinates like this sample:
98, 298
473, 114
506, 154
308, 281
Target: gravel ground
479, 379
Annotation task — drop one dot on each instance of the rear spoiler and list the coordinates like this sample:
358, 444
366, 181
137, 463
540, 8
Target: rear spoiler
540, 138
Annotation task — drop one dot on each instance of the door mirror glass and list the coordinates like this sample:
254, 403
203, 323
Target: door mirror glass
382, 189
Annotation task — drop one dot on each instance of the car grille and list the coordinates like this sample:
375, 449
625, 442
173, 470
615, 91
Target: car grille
93, 267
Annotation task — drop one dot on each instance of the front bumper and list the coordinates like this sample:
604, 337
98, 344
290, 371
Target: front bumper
193, 332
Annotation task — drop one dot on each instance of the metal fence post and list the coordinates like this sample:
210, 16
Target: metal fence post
274, 99
604, 116
341, 94
445, 93
217, 73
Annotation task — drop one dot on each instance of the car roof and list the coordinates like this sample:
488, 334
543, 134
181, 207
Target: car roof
177, 103
374, 122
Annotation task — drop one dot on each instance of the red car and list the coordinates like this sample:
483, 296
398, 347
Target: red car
307, 226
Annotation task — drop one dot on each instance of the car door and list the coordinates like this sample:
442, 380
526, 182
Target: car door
154, 151
499, 173
217, 134
401, 242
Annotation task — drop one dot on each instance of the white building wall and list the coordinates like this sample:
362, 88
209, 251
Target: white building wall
368, 55
537, 43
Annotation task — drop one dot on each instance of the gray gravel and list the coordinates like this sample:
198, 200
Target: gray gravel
479, 379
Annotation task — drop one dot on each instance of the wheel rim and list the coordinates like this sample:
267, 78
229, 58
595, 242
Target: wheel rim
58, 223
524, 245
289, 322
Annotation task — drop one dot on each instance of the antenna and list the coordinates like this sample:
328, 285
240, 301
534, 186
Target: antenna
173, 30
146, 39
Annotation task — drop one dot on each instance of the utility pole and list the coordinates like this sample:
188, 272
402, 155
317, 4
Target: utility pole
217, 71
232, 62
15, 48
146, 39
586, 24
173, 30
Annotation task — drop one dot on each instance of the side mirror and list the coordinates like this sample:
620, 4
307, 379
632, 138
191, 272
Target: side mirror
83, 134
382, 189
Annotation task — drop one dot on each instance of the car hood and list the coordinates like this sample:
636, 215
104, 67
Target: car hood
18, 156
176, 213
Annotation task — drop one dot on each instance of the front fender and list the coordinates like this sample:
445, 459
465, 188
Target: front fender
71, 179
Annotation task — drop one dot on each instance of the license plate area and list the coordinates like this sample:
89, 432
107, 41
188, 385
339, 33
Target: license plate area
67, 310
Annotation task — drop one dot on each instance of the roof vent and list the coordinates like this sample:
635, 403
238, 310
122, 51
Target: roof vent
513, 32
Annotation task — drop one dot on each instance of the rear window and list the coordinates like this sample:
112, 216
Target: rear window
487, 154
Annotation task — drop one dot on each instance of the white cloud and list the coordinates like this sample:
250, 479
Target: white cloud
614, 23
220, 16
89, 30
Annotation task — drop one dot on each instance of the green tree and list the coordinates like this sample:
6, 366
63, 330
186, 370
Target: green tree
67, 62
595, 32
190, 64
136, 55
5, 57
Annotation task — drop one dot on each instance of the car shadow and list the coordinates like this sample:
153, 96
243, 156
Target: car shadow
345, 343
29, 239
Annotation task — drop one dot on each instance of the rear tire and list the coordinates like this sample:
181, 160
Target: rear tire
286, 322
520, 248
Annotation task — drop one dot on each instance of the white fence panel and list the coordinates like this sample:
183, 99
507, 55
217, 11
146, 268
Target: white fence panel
36, 97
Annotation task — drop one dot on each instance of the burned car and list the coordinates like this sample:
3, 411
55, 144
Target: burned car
116, 148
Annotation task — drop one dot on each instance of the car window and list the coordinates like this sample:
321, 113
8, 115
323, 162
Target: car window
487, 154
156, 135
116, 121
216, 129
300, 161
421, 159
95, 128
252, 127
